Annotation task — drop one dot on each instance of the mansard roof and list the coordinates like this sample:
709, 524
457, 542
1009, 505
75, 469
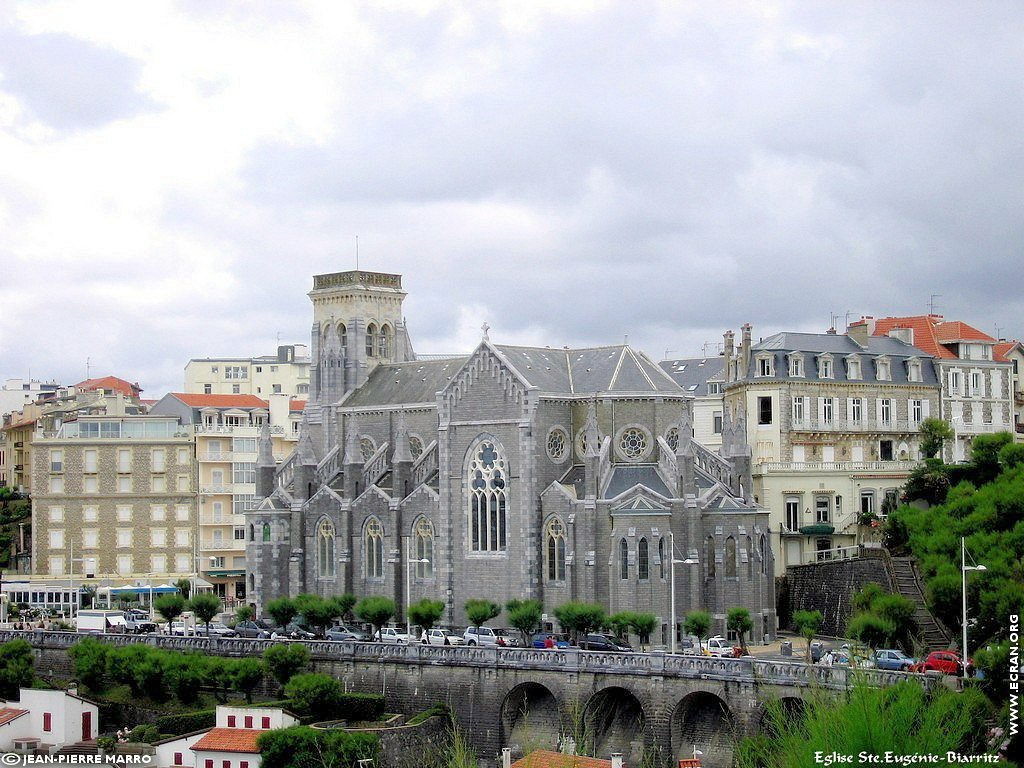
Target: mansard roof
693, 374
838, 344
566, 371
404, 383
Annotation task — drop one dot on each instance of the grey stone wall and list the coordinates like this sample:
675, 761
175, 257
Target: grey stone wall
830, 587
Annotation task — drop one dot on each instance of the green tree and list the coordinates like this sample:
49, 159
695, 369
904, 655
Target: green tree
282, 610
127, 599
205, 606
580, 618
219, 674
619, 624
376, 611
871, 629
90, 659
934, 434
807, 624
315, 694
284, 661
698, 623
246, 675
344, 604
170, 607
318, 613
866, 595
985, 455
525, 616
185, 587
244, 613
426, 613
1011, 455
928, 483
738, 620
643, 624
185, 676
479, 612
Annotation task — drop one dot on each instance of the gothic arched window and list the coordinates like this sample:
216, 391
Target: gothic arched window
764, 554
384, 342
488, 498
374, 540
730, 556
661, 556
371, 340
325, 549
709, 556
555, 550
424, 535
623, 559
643, 561
750, 557
342, 335
266, 531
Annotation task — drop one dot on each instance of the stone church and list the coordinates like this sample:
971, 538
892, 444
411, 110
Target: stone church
556, 474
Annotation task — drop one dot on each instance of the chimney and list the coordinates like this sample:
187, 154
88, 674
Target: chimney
617, 760
906, 335
727, 352
745, 352
860, 331
506, 757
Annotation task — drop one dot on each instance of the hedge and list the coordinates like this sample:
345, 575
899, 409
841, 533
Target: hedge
361, 706
176, 725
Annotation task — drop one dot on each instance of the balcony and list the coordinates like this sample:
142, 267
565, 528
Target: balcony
848, 425
211, 490
219, 546
835, 466
209, 519
242, 430
215, 456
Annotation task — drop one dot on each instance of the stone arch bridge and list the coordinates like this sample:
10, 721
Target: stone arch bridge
534, 698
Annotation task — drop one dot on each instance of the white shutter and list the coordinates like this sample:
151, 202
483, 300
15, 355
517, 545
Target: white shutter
878, 411
925, 409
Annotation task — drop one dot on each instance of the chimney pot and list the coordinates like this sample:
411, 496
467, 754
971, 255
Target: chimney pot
506, 757
617, 760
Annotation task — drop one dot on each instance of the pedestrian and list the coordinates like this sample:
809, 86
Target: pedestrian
549, 642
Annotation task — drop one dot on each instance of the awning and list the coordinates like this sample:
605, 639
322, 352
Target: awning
232, 572
116, 621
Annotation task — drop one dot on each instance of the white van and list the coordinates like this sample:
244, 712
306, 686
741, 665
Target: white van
98, 621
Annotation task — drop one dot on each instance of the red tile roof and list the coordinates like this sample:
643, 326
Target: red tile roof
543, 758
110, 382
228, 740
220, 401
10, 713
955, 330
297, 405
1003, 348
924, 332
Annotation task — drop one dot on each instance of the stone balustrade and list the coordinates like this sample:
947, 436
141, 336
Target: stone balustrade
747, 669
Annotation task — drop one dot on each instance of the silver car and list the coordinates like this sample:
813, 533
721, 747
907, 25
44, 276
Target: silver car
441, 637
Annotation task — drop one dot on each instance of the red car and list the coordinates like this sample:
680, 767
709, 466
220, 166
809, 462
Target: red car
946, 662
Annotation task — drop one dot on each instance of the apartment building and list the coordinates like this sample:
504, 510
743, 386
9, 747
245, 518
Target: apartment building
286, 373
703, 379
113, 500
833, 422
1013, 352
15, 394
976, 382
225, 430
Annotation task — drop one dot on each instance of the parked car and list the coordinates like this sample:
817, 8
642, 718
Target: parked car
719, 646
946, 662
441, 637
596, 642
252, 629
344, 632
138, 622
480, 636
393, 635
510, 638
540, 640
854, 655
818, 649
179, 628
293, 631
215, 629
893, 658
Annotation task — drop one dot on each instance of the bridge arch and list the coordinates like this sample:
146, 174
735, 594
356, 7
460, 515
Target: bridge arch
703, 720
530, 719
613, 721
789, 708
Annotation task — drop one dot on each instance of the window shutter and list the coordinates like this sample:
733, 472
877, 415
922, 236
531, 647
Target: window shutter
925, 410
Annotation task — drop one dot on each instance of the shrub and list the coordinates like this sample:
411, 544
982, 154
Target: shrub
16, 668
284, 661
302, 746
187, 722
145, 734
315, 694
90, 659
361, 706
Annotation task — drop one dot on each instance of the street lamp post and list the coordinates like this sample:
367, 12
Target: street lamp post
408, 579
672, 583
964, 568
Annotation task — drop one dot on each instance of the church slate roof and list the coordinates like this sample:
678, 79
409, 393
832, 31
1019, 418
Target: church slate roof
586, 371
693, 374
404, 383
625, 476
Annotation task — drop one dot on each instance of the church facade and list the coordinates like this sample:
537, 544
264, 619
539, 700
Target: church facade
513, 472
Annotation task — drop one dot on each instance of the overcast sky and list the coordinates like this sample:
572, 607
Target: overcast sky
173, 174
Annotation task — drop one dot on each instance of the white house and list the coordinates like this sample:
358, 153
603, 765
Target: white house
229, 744
54, 718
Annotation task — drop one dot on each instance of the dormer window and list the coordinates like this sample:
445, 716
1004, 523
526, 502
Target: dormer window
765, 367
796, 365
825, 367
913, 370
853, 368
882, 370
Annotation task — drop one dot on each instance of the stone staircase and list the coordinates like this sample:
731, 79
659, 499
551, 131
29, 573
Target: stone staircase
79, 748
904, 576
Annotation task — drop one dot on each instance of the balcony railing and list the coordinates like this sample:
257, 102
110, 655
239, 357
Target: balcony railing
837, 466
215, 456
223, 545
214, 489
849, 425
244, 430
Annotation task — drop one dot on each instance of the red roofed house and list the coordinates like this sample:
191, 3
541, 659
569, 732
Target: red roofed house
231, 743
545, 758
108, 385
1013, 352
47, 719
976, 395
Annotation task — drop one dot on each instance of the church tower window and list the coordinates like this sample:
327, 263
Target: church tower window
374, 540
730, 556
643, 561
661, 556
424, 534
557, 445
266, 531
623, 559
488, 498
371, 340
342, 335
325, 549
709, 556
384, 342
555, 550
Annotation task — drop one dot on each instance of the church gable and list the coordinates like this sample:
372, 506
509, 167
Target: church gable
486, 387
